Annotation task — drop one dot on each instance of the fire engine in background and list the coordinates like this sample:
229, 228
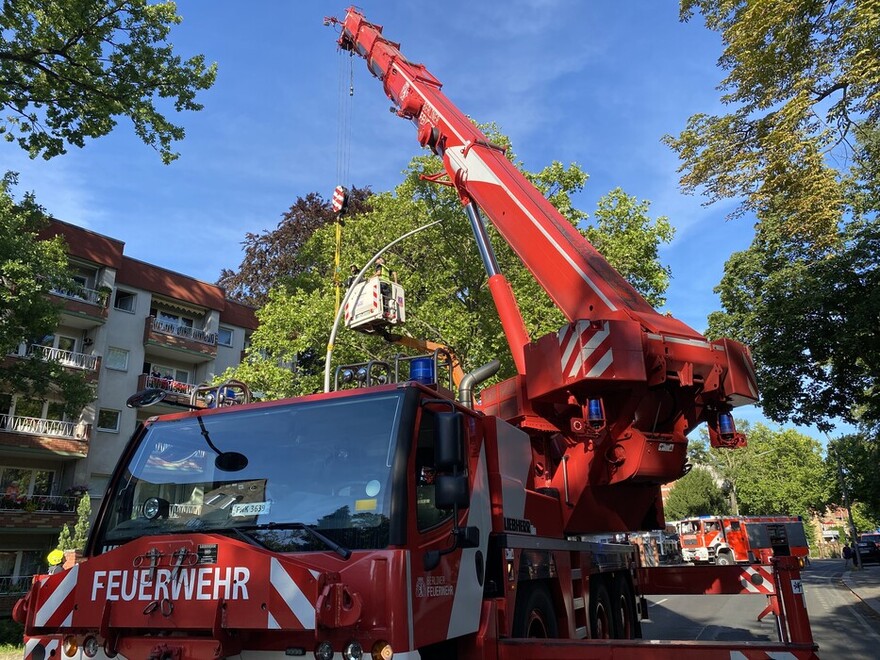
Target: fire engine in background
392, 518
725, 540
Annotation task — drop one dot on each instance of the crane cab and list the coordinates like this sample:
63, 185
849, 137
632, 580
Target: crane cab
375, 303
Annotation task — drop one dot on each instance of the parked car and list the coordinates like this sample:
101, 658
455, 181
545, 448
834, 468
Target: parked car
869, 548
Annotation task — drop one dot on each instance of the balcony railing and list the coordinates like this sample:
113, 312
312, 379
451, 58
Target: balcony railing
39, 503
186, 332
15, 584
91, 296
67, 358
49, 427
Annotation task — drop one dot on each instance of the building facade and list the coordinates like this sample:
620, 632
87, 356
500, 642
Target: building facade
127, 325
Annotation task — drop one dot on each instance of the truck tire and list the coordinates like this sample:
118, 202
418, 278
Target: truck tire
601, 616
723, 559
534, 615
623, 603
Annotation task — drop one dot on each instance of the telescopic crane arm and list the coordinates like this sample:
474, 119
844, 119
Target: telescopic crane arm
619, 375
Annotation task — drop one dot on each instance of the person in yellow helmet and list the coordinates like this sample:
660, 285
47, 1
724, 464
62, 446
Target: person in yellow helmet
55, 558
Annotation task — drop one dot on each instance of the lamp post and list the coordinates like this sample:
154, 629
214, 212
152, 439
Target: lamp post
345, 298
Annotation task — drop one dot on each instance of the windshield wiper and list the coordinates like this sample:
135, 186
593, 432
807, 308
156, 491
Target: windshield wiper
340, 550
191, 528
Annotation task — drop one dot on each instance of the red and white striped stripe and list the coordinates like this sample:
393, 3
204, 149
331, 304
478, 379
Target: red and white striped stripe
289, 608
585, 349
57, 609
758, 580
338, 198
50, 647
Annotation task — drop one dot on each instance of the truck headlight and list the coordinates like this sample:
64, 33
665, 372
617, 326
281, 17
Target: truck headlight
90, 646
353, 651
324, 651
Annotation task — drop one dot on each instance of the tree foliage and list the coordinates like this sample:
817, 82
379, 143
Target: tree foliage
695, 494
29, 269
798, 147
779, 472
448, 300
802, 76
272, 258
809, 313
629, 239
70, 68
76, 540
853, 459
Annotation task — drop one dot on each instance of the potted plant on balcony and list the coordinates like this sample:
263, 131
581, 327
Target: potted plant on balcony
104, 292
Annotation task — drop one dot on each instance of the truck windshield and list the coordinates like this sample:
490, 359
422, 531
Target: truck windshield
322, 464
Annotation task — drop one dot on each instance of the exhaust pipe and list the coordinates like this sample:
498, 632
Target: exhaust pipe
474, 378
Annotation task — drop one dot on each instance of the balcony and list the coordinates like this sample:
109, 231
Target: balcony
177, 392
91, 364
39, 503
84, 308
58, 437
12, 587
15, 585
179, 341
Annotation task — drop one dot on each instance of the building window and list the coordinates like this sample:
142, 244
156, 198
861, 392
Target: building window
224, 336
108, 420
172, 319
167, 373
125, 301
116, 358
98, 485
25, 482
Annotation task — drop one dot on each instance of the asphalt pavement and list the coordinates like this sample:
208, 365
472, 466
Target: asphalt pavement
865, 583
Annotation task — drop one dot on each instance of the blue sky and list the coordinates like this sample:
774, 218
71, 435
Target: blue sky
597, 83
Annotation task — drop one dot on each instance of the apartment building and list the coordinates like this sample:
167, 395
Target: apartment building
127, 325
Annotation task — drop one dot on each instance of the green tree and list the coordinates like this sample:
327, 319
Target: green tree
802, 78
76, 540
781, 472
695, 494
629, 239
271, 259
798, 147
70, 68
29, 269
65, 539
778, 472
81, 529
447, 296
855, 458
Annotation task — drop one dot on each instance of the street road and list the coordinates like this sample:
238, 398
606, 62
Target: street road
842, 625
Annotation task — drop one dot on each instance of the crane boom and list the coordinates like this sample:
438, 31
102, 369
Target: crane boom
608, 399
572, 272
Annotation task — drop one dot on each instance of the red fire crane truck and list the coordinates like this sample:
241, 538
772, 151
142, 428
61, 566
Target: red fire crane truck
726, 540
401, 520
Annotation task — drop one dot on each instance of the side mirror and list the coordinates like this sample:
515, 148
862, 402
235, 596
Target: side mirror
451, 492
145, 398
449, 448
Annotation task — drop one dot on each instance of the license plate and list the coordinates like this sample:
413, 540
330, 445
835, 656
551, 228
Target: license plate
250, 509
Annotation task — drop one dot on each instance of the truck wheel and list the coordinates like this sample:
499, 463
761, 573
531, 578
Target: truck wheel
723, 559
534, 615
601, 617
624, 608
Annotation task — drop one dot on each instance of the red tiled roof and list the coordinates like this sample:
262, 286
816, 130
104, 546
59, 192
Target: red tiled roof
86, 244
235, 313
168, 283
